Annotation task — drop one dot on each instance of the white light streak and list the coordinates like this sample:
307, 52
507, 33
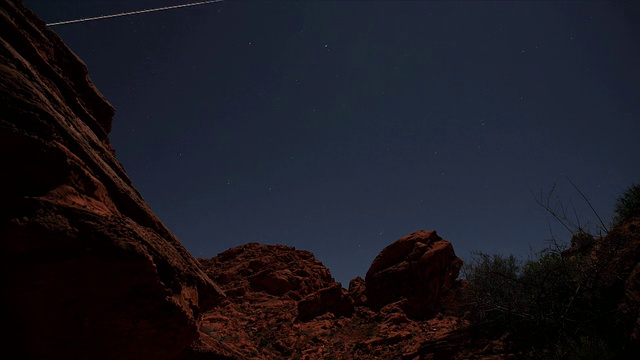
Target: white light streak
132, 13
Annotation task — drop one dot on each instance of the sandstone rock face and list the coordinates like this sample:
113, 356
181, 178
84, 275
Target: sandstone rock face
88, 271
624, 243
276, 270
255, 273
417, 270
270, 288
282, 303
333, 299
357, 289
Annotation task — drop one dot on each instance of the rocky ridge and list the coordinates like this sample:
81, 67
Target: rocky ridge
283, 303
84, 259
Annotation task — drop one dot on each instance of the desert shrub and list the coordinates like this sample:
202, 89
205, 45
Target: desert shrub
561, 303
628, 204
493, 294
550, 302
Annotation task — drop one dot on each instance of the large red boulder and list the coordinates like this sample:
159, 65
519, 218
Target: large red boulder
416, 270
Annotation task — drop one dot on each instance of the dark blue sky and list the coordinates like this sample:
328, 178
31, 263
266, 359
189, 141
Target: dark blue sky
338, 127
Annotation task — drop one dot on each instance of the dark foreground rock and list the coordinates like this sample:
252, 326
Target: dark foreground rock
88, 271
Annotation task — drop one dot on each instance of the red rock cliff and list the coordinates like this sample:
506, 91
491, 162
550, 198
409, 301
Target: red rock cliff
88, 271
416, 270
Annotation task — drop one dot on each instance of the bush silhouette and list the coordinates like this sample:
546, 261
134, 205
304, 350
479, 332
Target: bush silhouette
551, 305
628, 204
561, 303
493, 294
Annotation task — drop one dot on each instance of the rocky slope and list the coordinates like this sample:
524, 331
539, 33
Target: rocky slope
283, 303
417, 310
615, 261
88, 271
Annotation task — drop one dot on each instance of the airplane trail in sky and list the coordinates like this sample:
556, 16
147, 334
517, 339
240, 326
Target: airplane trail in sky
133, 12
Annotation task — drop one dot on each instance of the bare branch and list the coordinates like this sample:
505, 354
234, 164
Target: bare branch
589, 203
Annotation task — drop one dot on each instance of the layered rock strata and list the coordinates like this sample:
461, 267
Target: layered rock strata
88, 270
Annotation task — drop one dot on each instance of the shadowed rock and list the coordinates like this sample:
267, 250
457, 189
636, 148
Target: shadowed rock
275, 270
92, 273
331, 299
417, 270
356, 291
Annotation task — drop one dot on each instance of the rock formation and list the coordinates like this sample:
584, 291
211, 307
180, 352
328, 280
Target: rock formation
416, 270
332, 299
618, 255
283, 303
253, 272
88, 271
276, 270
356, 291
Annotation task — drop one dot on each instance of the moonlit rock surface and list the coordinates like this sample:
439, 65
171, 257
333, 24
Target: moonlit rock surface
88, 270
416, 269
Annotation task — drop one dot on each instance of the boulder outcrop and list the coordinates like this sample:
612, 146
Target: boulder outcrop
356, 291
283, 303
416, 269
270, 289
88, 270
333, 299
251, 270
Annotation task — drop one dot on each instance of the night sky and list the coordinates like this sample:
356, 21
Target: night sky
339, 127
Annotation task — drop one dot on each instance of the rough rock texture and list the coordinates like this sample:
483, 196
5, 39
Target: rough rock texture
417, 270
266, 286
614, 262
356, 291
621, 248
630, 307
333, 299
276, 270
88, 271
283, 304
